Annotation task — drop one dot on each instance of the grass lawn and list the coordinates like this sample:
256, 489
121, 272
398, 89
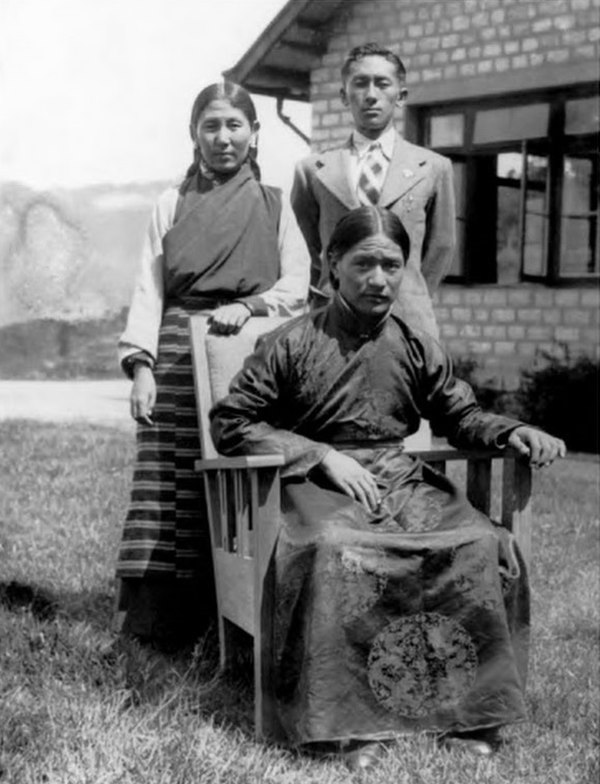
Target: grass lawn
72, 711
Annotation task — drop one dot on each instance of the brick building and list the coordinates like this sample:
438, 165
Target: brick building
508, 89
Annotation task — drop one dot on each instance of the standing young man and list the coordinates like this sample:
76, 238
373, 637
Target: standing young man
377, 166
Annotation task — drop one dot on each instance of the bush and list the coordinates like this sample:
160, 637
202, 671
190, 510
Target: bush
561, 396
489, 397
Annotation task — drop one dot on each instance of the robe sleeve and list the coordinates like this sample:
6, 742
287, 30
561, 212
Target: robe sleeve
249, 420
451, 405
145, 312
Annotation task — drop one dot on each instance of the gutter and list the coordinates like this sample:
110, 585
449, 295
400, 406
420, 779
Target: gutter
287, 121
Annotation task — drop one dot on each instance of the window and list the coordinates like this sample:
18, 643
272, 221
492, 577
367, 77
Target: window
579, 230
508, 124
447, 130
526, 175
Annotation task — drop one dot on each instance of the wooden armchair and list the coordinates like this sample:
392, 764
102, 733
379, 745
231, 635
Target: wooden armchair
243, 503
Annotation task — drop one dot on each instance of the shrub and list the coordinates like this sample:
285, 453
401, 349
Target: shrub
560, 395
489, 397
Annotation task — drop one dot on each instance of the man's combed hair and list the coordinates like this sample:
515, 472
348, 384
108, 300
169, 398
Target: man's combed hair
373, 50
365, 222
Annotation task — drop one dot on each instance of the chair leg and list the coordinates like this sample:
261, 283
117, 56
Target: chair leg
226, 644
260, 730
516, 503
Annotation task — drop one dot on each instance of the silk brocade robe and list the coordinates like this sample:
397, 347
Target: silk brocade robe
413, 617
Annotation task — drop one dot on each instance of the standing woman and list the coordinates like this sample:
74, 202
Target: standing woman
224, 244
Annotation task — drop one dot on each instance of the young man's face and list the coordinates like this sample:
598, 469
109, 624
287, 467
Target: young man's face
371, 91
369, 275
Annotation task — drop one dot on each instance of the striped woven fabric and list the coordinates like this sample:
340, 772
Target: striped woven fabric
166, 531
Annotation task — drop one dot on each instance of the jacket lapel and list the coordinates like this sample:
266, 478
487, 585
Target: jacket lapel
407, 167
332, 169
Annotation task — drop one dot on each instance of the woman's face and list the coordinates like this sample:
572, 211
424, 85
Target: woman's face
369, 275
224, 135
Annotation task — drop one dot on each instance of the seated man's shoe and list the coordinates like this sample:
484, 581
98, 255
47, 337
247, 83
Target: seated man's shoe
364, 756
478, 748
479, 743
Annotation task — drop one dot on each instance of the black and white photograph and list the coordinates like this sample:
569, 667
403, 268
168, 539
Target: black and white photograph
299, 391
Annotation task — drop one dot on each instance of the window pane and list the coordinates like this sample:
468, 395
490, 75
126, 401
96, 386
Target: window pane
537, 169
510, 165
508, 234
511, 124
583, 116
536, 217
446, 130
579, 235
534, 260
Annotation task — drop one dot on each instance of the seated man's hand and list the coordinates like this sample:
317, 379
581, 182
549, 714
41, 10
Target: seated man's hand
351, 478
229, 318
541, 448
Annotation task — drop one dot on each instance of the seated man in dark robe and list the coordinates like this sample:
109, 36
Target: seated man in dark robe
399, 607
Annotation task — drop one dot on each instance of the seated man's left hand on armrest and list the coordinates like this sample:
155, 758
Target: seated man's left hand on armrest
541, 448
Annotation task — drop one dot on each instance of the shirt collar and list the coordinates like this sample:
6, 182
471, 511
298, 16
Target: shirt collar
361, 143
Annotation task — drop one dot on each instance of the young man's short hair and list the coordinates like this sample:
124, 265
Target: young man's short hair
373, 50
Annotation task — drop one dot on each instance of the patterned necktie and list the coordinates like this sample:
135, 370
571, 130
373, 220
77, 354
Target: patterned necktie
371, 176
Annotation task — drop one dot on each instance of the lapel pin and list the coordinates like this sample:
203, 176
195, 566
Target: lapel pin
408, 172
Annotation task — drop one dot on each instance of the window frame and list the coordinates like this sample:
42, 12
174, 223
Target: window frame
556, 144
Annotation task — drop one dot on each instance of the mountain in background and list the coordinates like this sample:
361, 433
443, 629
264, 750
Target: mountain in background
68, 258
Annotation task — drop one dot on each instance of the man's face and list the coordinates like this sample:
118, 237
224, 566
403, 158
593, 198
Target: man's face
371, 91
369, 275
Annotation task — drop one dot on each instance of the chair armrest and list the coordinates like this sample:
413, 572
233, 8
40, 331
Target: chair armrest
436, 454
244, 461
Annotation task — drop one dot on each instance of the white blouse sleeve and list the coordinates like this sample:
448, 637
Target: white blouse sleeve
146, 310
289, 295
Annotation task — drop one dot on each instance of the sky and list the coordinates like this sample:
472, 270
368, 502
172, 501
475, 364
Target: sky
99, 91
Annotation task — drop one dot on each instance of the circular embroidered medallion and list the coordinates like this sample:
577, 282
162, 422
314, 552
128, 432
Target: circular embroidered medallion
421, 663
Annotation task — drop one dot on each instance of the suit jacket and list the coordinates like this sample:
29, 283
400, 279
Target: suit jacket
417, 187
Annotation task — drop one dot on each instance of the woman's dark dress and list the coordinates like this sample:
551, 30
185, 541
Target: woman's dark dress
411, 618
222, 248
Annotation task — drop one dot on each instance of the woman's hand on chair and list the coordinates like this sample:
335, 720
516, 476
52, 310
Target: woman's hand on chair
541, 448
229, 318
143, 394
351, 478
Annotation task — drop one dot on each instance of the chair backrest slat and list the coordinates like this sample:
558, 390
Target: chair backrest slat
198, 331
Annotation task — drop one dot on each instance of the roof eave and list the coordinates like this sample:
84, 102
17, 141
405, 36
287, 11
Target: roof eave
272, 82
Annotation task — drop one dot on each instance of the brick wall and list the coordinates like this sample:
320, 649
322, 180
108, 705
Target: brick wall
503, 327
452, 46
